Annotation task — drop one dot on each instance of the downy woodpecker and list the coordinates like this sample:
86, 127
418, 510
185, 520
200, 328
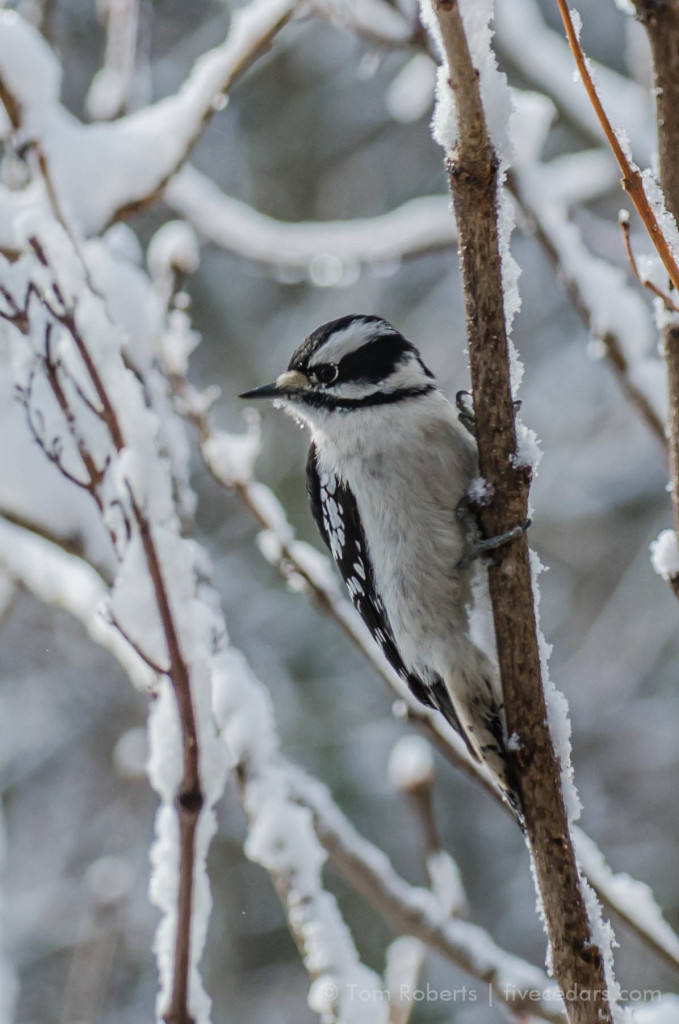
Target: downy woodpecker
388, 473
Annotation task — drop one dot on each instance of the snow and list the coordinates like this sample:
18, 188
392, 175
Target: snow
174, 247
322, 249
410, 95
411, 763
282, 839
464, 943
130, 753
67, 582
557, 707
132, 157
665, 555
30, 69
232, 457
446, 882
631, 898
373, 18
545, 59
109, 879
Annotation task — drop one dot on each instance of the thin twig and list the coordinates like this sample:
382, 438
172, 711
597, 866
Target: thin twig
623, 221
632, 181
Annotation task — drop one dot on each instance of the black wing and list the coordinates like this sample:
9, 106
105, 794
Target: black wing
336, 515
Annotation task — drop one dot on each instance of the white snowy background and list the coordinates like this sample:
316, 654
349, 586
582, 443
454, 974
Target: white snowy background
328, 128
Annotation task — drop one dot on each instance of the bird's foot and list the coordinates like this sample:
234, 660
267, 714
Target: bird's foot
482, 547
465, 410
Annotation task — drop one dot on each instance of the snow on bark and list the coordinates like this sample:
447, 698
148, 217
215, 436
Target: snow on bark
665, 555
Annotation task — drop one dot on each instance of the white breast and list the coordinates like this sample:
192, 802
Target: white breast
408, 465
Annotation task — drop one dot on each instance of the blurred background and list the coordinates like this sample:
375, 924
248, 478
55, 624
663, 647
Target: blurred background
316, 131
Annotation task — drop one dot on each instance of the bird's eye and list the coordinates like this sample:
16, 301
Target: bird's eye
327, 374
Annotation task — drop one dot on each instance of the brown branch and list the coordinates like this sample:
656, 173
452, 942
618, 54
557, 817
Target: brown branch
473, 175
623, 221
661, 22
631, 181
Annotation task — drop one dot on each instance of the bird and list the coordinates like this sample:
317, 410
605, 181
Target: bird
389, 472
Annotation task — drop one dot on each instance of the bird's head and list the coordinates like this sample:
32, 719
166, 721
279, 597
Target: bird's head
356, 362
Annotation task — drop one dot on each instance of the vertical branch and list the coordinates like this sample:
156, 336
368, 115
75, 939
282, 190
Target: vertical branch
473, 176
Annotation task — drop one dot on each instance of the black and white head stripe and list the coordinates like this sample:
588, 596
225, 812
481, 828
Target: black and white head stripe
358, 361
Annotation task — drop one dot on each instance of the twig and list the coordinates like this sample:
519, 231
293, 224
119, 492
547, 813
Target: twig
633, 184
473, 174
623, 221
632, 181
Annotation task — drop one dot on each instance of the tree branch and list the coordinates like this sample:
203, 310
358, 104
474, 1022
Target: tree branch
473, 174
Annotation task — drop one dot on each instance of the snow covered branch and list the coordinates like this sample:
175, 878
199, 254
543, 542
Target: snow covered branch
317, 248
520, 986
470, 90
69, 367
111, 89
134, 157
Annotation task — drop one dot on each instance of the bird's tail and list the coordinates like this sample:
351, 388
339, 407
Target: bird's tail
470, 698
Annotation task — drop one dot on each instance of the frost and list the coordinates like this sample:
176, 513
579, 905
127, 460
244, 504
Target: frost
557, 707
480, 491
665, 555
411, 763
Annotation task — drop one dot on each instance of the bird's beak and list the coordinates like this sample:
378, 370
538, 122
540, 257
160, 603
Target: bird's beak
286, 384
